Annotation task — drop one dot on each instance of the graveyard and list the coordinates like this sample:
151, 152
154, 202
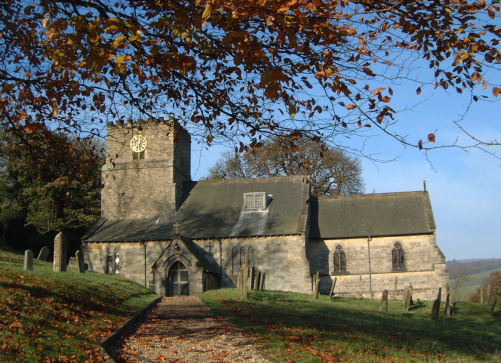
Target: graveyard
61, 316
295, 327
64, 316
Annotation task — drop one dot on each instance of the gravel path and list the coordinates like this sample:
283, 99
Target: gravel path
184, 329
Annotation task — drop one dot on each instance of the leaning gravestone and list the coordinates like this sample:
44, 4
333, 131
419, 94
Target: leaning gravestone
43, 255
435, 311
447, 309
80, 261
384, 302
60, 253
28, 260
331, 293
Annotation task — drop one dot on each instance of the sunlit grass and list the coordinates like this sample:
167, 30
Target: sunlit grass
60, 316
295, 327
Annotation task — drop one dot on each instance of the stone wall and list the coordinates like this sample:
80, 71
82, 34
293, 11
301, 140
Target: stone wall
145, 187
282, 258
425, 266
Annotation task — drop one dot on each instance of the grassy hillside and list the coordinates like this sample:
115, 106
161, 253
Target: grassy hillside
295, 327
472, 283
60, 316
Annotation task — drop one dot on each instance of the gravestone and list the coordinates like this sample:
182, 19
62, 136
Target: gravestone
411, 288
435, 311
316, 284
481, 295
60, 253
384, 301
253, 278
447, 309
43, 255
80, 262
331, 293
261, 283
407, 299
72, 264
258, 280
28, 260
395, 291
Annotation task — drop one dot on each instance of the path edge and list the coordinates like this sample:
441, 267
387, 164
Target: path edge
106, 342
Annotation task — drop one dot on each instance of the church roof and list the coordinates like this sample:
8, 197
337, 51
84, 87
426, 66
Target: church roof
215, 208
362, 215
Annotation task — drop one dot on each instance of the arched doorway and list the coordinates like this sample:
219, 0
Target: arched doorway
178, 280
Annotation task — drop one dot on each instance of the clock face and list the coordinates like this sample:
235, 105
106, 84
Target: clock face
138, 143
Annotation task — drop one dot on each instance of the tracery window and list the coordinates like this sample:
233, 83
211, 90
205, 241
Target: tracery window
398, 257
109, 264
339, 259
112, 263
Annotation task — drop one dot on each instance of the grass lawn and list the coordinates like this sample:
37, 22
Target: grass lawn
295, 327
48, 316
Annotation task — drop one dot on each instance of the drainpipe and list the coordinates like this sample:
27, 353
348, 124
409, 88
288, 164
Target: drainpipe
369, 238
145, 279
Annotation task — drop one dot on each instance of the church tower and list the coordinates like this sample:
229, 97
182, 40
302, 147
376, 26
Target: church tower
147, 169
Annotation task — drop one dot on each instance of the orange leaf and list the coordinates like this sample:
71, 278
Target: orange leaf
496, 91
351, 106
431, 137
418, 90
368, 71
420, 144
378, 90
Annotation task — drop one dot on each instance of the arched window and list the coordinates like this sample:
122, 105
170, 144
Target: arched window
109, 264
235, 261
113, 263
117, 263
339, 259
398, 257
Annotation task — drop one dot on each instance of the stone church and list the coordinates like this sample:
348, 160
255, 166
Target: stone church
178, 236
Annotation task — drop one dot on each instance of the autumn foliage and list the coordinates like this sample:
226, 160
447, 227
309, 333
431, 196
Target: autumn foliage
237, 67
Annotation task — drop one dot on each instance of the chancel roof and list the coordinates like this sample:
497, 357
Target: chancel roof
215, 209
362, 215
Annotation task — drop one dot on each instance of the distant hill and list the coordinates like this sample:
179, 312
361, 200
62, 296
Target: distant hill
472, 274
472, 266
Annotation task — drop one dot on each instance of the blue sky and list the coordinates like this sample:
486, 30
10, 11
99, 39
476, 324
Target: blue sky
464, 185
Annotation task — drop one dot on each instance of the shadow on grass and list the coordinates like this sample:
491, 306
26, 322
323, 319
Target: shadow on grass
109, 306
339, 322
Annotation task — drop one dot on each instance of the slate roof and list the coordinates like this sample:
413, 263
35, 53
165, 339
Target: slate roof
362, 215
213, 209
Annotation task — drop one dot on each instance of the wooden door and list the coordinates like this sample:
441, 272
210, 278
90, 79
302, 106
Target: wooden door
178, 280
